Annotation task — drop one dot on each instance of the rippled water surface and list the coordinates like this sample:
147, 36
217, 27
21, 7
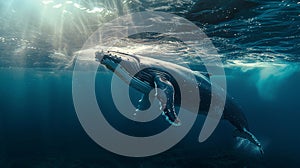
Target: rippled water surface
47, 33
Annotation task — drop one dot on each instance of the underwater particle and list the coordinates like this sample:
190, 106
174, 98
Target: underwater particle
57, 6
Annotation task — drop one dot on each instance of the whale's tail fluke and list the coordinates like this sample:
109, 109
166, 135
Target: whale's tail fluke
245, 134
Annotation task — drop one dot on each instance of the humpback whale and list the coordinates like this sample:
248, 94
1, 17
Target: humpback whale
145, 74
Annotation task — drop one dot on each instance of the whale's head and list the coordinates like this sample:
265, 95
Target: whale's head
113, 59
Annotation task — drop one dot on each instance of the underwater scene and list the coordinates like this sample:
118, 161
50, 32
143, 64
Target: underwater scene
149, 83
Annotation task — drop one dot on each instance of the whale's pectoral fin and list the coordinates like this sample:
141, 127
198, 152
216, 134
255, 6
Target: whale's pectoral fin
245, 134
143, 102
165, 94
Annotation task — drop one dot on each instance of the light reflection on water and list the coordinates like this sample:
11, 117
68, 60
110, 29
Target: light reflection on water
34, 30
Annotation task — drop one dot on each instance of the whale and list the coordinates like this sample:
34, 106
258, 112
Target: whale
145, 74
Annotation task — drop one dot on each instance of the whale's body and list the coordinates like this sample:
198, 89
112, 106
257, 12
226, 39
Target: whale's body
145, 74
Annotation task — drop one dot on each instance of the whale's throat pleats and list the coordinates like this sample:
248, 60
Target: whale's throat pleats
147, 76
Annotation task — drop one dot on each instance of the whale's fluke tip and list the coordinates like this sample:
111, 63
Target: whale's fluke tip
247, 135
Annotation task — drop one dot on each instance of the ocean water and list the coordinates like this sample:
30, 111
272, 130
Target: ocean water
258, 42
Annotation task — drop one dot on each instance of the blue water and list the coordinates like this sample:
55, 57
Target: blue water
259, 44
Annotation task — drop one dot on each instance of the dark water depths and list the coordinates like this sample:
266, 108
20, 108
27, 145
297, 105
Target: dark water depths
257, 40
39, 126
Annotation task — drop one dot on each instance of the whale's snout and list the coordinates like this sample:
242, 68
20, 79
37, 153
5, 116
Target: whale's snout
107, 59
102, 57
111, 59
